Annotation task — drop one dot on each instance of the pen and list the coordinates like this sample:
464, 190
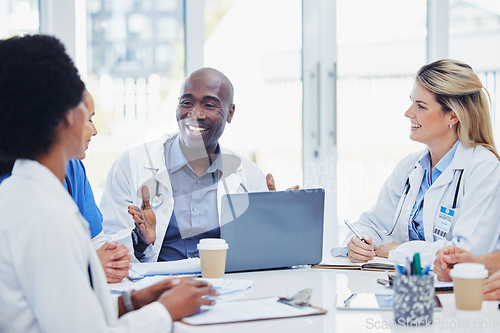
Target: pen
417, 268
399, 269
355, 231
408, 267
426, 270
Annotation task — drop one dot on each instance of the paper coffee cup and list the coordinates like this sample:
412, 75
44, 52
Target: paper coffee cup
212, 257
468, 285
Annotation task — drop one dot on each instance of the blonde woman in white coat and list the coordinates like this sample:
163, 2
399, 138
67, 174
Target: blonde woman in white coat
449, 193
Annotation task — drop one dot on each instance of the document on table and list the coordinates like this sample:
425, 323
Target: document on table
227, 288
442, 287
249, 310
185, 266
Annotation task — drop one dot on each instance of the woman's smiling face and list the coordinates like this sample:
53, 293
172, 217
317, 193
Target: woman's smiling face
89, 130
430, 125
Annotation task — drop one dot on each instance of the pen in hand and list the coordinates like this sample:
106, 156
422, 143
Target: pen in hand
355, 231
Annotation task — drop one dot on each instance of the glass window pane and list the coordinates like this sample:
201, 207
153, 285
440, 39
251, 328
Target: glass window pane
135, 68
19, 17
262, 58
381, 45
475, 40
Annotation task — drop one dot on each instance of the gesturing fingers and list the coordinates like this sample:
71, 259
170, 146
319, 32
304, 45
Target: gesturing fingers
145, 197
270, 182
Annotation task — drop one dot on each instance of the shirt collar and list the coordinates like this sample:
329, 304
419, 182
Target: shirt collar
425, 160
176, 157
178, 160
447, 158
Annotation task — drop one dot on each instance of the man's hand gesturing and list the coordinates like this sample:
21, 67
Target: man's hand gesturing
144, 217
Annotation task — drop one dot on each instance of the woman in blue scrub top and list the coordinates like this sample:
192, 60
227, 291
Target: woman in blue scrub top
449, 193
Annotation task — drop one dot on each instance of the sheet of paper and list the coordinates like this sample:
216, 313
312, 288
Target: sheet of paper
126, 285
441, 284
185, 266
235, 311
227, 288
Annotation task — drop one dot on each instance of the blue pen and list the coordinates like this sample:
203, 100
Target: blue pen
426, 270
408, 267
399, 269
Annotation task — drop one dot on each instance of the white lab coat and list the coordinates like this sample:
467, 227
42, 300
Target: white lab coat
475, 226
141, 165
45, 258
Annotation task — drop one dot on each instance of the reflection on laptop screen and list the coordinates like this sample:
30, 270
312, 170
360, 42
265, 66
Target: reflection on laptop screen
273, 229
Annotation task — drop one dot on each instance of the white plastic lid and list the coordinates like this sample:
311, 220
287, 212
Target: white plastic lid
212, 244
469, 271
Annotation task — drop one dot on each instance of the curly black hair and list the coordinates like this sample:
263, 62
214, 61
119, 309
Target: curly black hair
38, 84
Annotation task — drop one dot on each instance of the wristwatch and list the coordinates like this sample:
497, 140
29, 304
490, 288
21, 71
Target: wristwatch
127, 300
137, 241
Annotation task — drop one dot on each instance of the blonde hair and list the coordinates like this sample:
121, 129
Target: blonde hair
456, 87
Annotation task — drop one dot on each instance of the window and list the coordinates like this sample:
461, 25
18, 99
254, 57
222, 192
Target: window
135, 68
263, 61
381, 45
475, 40
19, 17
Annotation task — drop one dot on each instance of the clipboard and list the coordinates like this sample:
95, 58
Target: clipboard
249, 310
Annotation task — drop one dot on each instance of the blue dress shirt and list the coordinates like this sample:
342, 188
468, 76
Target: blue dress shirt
416, 225
195, 214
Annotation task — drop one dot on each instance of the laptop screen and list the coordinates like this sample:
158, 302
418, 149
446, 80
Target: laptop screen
273, 229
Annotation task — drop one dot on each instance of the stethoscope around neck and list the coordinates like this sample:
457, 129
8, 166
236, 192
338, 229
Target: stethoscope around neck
405, 193
158, 197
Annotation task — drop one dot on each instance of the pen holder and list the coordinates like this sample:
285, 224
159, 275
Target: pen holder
413, 299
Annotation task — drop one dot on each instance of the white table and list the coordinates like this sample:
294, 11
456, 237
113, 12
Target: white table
326, 283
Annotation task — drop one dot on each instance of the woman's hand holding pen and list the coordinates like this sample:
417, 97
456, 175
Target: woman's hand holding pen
358, 251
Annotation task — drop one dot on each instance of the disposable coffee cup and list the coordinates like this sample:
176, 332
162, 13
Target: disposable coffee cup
468, 285
212, 257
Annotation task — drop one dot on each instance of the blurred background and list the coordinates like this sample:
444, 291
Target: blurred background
321, 86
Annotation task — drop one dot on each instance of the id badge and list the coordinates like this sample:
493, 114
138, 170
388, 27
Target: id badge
444, 220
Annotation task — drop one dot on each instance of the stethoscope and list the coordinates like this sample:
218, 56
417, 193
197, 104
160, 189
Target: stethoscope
158, 198
407, 189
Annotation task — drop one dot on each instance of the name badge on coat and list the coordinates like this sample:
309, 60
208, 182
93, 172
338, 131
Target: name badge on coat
444, 221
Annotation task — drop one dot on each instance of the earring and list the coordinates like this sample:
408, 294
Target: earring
451, 126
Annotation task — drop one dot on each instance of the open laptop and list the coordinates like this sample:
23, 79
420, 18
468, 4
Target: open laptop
273, 229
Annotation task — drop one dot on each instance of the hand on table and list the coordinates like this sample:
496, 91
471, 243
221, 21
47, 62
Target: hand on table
447, 257
492, 287
185, 299
115, 261
383, 250
145, 218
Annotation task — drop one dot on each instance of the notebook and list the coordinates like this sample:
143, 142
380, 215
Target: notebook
377, 264
273, 229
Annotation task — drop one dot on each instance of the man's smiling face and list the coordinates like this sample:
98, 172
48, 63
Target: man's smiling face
204, 108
